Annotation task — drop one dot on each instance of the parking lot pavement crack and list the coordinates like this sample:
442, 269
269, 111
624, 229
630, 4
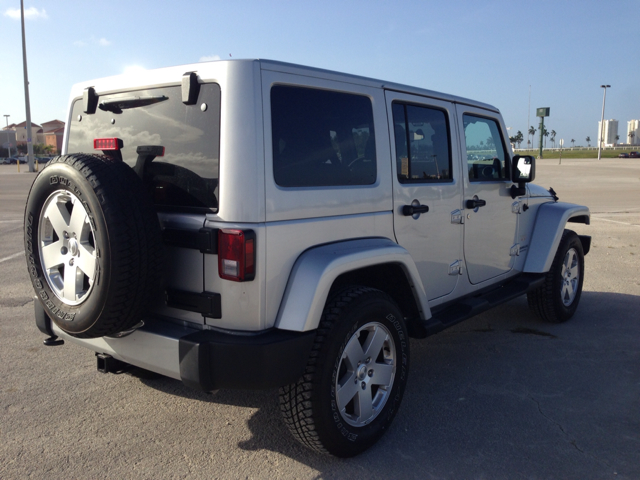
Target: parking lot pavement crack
572, 441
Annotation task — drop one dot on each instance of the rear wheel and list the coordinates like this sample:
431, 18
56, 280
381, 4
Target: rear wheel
355, 378
557, 299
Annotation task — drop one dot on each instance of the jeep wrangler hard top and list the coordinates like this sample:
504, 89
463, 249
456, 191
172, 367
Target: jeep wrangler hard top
256, 224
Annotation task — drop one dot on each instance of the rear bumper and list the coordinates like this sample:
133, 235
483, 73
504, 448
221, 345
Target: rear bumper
206, 359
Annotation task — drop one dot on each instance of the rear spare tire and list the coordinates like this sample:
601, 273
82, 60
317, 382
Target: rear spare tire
93, 244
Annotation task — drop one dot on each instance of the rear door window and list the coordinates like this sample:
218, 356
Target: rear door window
186, 177
322, 138
423, 142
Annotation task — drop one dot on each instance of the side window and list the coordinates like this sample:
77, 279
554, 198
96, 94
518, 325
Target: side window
422, 144
322, 138
486, 156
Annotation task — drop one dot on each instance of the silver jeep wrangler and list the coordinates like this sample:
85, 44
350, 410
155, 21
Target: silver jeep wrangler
256, 224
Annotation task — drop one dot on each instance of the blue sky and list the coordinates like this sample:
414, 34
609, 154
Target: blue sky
490, 51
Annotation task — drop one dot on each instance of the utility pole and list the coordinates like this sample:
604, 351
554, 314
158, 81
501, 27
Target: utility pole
26, 94
604, 97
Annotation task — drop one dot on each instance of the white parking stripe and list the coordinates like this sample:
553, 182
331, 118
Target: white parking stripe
615, 221
10, 257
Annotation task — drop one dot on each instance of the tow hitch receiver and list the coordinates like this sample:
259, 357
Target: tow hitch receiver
108, 364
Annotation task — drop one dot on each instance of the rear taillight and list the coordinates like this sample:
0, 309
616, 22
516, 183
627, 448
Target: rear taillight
107, 144
236, 254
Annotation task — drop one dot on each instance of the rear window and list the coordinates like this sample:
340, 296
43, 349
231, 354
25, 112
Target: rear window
322, 138
186, 177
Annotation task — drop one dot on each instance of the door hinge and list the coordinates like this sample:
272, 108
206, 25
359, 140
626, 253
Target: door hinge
205, 239
515, 250
455, 268
457, 217
515, 207
208, 304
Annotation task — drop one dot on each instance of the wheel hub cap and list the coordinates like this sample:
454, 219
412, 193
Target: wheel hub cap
67, 247
366, 373
570, 276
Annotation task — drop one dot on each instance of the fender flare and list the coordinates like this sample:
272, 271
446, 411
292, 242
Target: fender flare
316, 269
551, 220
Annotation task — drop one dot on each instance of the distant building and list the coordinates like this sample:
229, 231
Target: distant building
633, 127
609, 132
8, 142
49, 133
53, 134
21, 132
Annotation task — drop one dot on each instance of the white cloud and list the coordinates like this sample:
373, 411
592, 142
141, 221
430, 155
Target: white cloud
209, 58
102, 42
30, 13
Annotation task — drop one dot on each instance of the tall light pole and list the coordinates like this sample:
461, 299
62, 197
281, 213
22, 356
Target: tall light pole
6, 117
26, 95
604, 97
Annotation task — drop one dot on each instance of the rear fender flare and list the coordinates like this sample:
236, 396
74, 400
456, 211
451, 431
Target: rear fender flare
316, 269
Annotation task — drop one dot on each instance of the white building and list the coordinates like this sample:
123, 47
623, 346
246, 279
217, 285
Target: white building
633, 126
609, 132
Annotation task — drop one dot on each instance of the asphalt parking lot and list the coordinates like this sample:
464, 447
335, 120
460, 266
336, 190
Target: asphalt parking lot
502, 395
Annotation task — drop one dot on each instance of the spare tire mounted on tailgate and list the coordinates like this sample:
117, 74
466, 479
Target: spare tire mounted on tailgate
93, 244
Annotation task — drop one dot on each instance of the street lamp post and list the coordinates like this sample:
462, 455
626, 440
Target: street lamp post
26, 94
604, 97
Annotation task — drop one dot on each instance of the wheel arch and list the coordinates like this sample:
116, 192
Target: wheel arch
375, 262
551, 220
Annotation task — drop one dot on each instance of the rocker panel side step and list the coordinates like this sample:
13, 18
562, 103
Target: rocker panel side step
471, 306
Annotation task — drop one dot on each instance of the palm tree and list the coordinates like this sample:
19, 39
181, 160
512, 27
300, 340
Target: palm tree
545, 133
519, 138
588, 139
631, 135
532, 132
553, 138
573, 143
617, 138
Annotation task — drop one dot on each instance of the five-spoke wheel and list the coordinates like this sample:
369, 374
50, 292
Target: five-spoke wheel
67, 247
355, 377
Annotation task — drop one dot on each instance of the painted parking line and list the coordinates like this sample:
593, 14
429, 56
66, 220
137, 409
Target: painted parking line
615, 221
11, 257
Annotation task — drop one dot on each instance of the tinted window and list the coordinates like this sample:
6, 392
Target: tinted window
187, 174
486, 157
422, 144
322, 138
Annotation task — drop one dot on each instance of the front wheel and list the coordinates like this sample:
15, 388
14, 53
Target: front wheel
355, 377
557, 299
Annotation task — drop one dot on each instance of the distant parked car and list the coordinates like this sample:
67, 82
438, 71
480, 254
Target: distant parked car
623, 155
634, 154
12, 160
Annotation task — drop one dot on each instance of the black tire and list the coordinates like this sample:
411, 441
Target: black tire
118, 255
311, 406
557, 299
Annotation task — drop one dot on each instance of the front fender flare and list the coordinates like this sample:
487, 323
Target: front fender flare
316, 269
551, 220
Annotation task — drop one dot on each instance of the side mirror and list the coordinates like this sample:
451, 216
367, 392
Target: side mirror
523, 170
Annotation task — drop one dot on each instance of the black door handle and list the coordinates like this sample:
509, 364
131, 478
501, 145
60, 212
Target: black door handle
409, 210
475, 203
